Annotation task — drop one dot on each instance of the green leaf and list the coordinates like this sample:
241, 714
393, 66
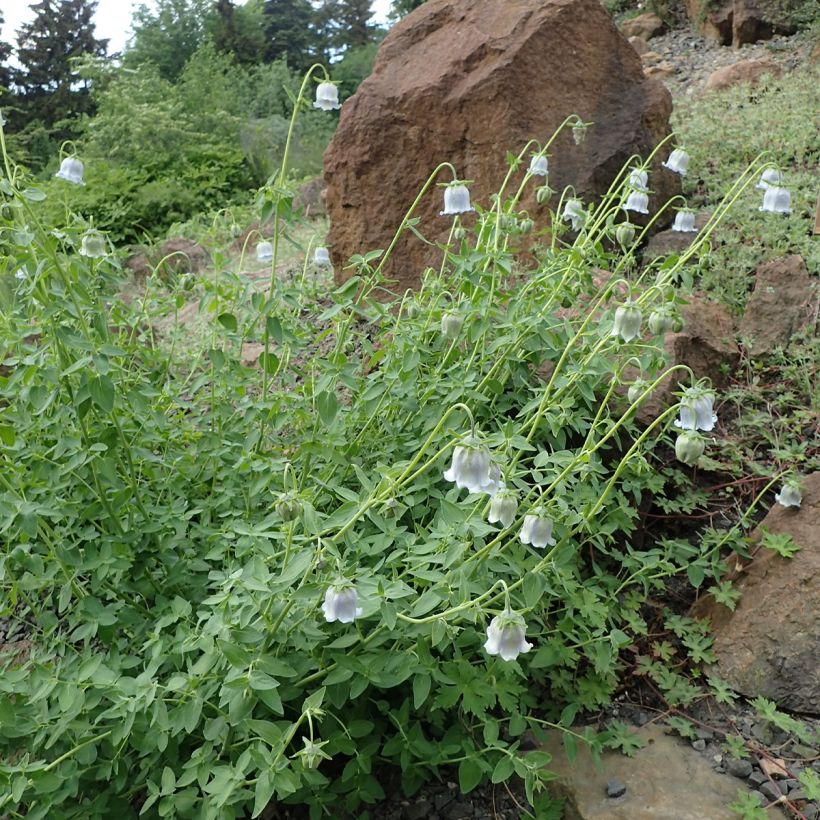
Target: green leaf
169, 781
469, 775
263, 792
274, 329
101, 390
503, 770
269, 362
34, 194
327, 404
228, 321
7, 435
421, 689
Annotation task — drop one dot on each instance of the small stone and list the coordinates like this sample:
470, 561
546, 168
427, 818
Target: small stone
418, 811
761, 798
459, 810
799, 750
739, 767
798, 794
756, 778
770, 790
762, 730
699, 745
615, 788
790, 785
705, 734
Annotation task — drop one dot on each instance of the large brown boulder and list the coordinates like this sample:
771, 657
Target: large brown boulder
769, 645
783, 301
467, 82
745, 71
737, 22
646, 26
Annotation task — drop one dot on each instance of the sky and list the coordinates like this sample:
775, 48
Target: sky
113, 19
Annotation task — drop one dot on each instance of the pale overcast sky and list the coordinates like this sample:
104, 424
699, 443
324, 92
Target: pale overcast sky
113, 19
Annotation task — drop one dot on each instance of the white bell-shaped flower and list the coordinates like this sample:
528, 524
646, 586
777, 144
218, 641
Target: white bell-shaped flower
456, 200
264, 252
506, 636
21, 274
790, 495
637, 201
696, 410
537, 529
451, 324
341, 603
321, 257
689, 447
770, 177
503, 507
71, 170
496, 482
471, 467
539, 165
93, 245
684, 221
327, 97
574, 212
777, 200
627, 323
625, 233
638, 178
678, 161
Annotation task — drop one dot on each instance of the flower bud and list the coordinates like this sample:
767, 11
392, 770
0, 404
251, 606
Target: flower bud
579, 132
506, 636
187, 282
288, 506
459, 233
661, 322
93, 245
526, 225
543, 194
625, 234
636, 390
451, 323
689, 447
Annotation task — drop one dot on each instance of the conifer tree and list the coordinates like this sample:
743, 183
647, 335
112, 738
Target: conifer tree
48, 86
5, 68
401, 7
346, 24
290, 28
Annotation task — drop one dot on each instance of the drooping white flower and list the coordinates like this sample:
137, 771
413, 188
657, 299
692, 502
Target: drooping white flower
506, 636
689, 447
696, 410
777, 200
340, 603
770, 177
451, 324
638, 178
456, 200
637, 201
539, 165
503, 508
471, 467
537, 529
321, 257
496, 482
678, 161
574, 212
71, 170
625, 233
684, 221
790, 495
627, 323
92, 245
264, 251
327, 97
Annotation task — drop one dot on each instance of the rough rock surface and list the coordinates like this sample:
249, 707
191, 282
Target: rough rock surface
736, 22
784, 299
467, 82
646, 26
666, 780
183, 256
745, 71
668, 241
769, 645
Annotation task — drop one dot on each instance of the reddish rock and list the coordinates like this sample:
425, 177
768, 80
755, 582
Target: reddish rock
310, 197
737, 22
138, 266
783, 301
467, 82
745, 71
661, 69
646, 26
769, 645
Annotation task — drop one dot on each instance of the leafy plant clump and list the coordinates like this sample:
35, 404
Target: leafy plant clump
400, 543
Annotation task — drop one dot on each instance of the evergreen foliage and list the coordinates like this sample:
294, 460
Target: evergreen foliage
292, 34
5, 68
